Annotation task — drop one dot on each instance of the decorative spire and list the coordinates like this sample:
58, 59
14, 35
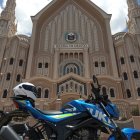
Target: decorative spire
132, 4
8, 15
133, 14
9, 11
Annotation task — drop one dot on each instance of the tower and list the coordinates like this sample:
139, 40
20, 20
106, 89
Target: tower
134, 16
8, 27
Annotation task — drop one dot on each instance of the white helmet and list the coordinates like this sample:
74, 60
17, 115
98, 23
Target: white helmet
25, 90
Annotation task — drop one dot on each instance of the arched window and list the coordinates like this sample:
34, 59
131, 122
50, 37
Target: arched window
46, 65
66, 55
138, 90
66, 87
122, 60
75, 70
18, 78
39, 92
8, 76
81, 89
11, 61
62, 89
68, 70
46, 93
103, 64
96, 64
128, 93
71, 84
132, 58
39, 65
135, 74
71, 69
4, 93
76, 88
76, 55
20, 62
81, 56
71, 55
104, 91
112, 94
125, 76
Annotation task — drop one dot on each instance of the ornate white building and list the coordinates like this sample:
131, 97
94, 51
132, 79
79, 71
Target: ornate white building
71, 40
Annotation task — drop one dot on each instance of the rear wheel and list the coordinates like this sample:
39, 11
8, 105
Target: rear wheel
84, 134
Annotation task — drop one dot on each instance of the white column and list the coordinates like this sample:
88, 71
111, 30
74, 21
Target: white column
56, 61
86, 62
111, 49
31, 49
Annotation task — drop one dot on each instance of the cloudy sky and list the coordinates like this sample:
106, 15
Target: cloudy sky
27, 8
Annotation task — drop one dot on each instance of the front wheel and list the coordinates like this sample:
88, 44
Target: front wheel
84, 134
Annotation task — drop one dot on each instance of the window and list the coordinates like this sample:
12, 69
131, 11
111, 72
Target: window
104, 91
8, 76
46, 93
46, 65
103, 64
96, 64
132, 58
112, 94
125, 76
62, 89
128, 93
68, 70
20, 62
4, 93
66, 87
81, 88
76, 88
135, 74
138, 90
39, 65
71, 69
75, 70
11, 61
122, 60
18, 78
39, 92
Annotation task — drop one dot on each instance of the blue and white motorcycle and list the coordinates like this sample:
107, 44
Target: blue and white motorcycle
77, 120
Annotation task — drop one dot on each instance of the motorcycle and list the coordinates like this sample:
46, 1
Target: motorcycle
77, 120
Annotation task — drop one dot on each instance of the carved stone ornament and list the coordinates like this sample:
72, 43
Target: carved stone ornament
71, 37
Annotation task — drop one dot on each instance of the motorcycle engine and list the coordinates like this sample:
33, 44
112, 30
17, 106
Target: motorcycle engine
84, 134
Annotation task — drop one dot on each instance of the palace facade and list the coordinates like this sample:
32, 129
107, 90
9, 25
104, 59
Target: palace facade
71, 40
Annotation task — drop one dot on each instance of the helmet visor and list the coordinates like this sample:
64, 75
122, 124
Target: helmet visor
30, 88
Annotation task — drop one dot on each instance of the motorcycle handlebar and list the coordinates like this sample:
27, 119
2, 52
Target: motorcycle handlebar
95, 81
95, 87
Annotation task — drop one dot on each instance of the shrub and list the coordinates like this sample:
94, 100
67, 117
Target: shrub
135, 112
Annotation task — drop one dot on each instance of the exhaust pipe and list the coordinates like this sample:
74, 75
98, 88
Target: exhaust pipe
7, 133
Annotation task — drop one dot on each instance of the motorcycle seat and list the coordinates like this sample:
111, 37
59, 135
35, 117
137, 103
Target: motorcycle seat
50, 112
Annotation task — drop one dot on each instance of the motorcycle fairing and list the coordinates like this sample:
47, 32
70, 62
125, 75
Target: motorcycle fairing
113, 110
95, 111
129, 134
